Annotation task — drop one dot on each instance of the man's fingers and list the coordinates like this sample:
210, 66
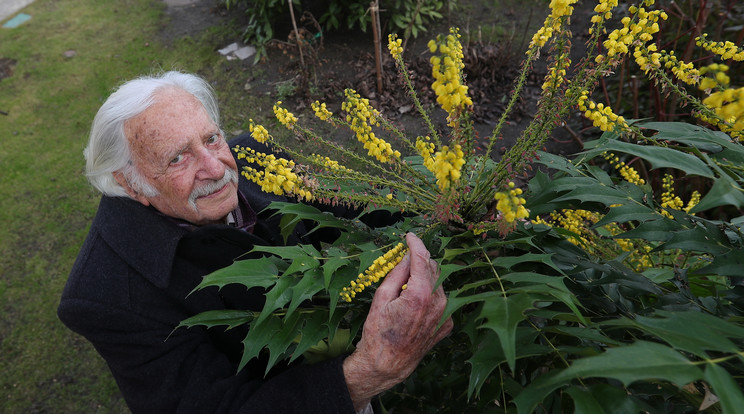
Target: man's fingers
422, 270
390, 287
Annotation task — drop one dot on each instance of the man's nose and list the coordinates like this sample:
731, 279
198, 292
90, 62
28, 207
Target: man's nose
210, 166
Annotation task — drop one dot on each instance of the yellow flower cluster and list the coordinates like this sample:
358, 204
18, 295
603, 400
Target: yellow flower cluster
447, 165
378, 270
580, 222
425, 148
284, 116
671, 201
642, 30
729, 106
258, 132
277, 176
685, 72
603, 10
577, 222
361, 116
448, 85
557, 73
627, 172
718, 76
552, 24
726, 50
647, 58
600, 115
395, 46
510, 204
321, 111
327, 163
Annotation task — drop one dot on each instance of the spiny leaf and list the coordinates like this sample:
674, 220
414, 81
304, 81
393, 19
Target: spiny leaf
277, 297
691, 331
602, 398
659, 157
502, 316
310, 284
249, 273
282, 340
258, 336
640, 361
628, 212
222, 317
302, 257
727, 264
725, 191
725, 388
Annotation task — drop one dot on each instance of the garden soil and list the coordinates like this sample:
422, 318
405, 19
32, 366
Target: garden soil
496, 33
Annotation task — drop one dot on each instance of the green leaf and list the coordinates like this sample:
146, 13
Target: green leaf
696, 240
659, 157
313, 331
601, 399
222, 317
727, 264
691, 331
502, 315
548, 285
302, 257
282, 340
725, 191
277, 297
310, 284
258, 336
249, 273
489, 354
509, 262
628, 212
653, 230
556, 162
725, 388
336, 258
597, 192
640, 361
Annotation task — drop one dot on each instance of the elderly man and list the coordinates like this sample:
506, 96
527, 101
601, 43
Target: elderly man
174, 210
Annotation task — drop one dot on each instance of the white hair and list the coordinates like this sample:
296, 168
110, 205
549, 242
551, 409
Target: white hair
108, 148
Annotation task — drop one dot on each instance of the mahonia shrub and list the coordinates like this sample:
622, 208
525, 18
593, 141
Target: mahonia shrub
587, 287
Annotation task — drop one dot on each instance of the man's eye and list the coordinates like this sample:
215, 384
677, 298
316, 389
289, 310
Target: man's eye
177, 159
214, 138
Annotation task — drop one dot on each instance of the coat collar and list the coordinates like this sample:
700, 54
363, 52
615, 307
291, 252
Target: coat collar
141, 236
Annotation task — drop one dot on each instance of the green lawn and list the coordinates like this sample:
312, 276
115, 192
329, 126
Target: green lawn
46, 204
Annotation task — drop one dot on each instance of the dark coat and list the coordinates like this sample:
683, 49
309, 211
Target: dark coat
129, 289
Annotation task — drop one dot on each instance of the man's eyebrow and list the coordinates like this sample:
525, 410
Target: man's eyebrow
173, 154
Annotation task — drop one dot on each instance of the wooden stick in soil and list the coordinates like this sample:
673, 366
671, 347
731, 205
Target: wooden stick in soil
297, 33
375, 10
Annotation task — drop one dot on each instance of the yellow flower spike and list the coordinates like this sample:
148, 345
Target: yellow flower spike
285, 117
394, 45
258, 132
379, 268
321, 111
510, 205
361, 116
447, 72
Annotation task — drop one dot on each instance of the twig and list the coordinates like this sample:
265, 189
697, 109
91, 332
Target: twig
3, 113
374, 8
297, 32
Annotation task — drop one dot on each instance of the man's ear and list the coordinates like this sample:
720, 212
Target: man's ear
124, 183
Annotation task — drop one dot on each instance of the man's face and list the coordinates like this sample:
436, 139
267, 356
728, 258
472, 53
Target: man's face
179, 150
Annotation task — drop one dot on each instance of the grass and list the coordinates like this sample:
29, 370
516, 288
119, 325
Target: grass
46, 205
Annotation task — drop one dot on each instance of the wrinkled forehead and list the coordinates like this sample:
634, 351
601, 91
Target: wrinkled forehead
173, 117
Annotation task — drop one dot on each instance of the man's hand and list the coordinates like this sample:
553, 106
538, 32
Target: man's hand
401, 326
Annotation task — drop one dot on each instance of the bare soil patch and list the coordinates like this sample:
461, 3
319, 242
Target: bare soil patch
335, 61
